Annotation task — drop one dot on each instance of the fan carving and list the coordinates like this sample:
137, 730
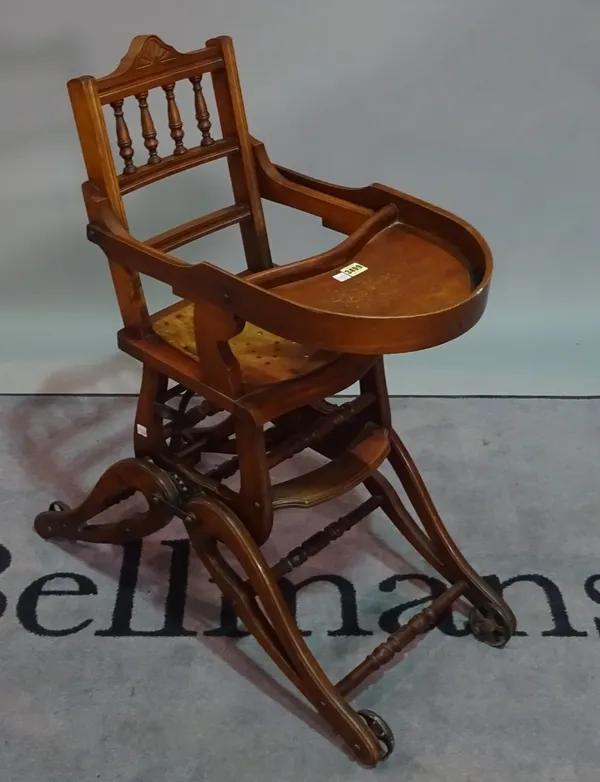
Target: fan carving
153, 51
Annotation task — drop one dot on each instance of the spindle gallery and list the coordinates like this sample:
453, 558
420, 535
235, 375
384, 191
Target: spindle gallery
245, 365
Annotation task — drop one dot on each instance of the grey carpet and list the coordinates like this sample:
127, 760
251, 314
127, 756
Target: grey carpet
95, 682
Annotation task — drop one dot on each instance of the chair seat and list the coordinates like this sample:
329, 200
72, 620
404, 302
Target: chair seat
264, 358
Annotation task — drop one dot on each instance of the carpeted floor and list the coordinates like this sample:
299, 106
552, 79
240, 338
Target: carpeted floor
121, 664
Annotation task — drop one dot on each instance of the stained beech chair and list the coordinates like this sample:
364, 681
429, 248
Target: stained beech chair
259, 353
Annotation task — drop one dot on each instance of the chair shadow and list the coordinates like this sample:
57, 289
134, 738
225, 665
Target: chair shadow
41, 435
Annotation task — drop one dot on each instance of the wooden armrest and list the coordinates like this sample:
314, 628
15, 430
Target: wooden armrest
204, 282
345, 208
190, 282
120, 246
335, 212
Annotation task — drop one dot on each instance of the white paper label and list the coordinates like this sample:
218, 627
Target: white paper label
349, 271
141, 430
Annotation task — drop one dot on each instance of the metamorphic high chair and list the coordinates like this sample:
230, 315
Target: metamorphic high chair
260, 353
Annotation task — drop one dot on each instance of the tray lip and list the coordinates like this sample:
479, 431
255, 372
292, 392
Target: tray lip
487, 261
337, 331
447, 323
476, 291
364, 334
371, 198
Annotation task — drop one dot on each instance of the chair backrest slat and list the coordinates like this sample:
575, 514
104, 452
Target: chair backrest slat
173, 164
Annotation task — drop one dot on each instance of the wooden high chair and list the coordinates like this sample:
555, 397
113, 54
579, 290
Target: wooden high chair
259, 352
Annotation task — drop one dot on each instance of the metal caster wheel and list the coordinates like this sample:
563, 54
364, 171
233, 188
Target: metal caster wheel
58, 506
382, 732
488, 625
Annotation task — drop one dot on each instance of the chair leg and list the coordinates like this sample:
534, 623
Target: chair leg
119, 482
261, 606
491, 620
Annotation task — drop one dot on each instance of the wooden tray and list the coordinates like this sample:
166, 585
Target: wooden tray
389, 288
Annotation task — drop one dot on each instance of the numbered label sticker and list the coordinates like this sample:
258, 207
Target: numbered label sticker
349, 271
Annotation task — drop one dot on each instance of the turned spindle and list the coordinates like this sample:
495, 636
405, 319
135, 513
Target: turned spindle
202, 115
298, 443
174, 118
399, 640
321, 429
123, 137
148, 129
324, 537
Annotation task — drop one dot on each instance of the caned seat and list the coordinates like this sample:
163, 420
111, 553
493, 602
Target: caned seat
248, 366
263, 357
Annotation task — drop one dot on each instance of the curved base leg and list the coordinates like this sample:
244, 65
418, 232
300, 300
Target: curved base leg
492, 620
120, 481
261, 606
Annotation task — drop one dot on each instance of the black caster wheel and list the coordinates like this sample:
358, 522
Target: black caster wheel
382, 732
489, 626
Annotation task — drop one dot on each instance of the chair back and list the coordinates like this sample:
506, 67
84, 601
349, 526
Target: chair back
150, 64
